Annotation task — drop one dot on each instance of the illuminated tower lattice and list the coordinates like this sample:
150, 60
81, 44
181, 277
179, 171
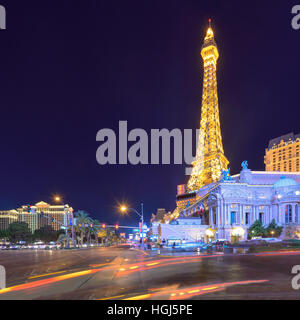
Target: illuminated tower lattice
210, 158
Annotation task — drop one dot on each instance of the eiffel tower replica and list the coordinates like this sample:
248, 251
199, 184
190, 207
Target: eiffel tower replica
210, 159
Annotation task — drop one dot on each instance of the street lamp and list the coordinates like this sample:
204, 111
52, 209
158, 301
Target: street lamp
124, 209
59, 199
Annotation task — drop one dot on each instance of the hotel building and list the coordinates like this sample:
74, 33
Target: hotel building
38, 215
283, 154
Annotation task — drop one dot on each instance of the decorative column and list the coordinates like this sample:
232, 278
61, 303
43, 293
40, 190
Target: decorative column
226, 214
218, 213
253, 214
267, 214
243, 215
210, 217
240, 214
281, 217
293, 212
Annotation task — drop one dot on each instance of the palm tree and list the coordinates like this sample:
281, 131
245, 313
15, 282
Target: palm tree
95, 229
82, 222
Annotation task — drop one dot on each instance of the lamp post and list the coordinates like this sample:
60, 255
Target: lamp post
124, 209
58, 199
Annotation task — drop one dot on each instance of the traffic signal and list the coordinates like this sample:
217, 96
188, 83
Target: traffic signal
91, 225
103, 225
117, 226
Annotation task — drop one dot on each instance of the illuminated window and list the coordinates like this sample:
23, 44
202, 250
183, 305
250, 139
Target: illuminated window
288, 213
247, 218
232, 217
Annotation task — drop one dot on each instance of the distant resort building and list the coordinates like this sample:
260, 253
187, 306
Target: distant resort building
283, 154
214, 204
37, 216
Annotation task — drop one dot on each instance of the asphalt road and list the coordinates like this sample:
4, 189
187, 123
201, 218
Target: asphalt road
122, 273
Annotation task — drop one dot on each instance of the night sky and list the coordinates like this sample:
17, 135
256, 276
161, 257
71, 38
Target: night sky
71, 68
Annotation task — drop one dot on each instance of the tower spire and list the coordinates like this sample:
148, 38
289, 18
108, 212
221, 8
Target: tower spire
210, 158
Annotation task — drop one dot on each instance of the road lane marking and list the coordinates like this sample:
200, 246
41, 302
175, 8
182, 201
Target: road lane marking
135, 267
152, 264
98, 265
143, 252
47, 274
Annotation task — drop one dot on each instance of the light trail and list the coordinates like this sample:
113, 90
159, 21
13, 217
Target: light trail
112, 298
39, 283
152, 264
47, 274
278, 253
141, 297
159, 263
195, 291
185, 293
125, 270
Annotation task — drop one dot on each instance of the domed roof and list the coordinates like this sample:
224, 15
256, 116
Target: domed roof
285, 182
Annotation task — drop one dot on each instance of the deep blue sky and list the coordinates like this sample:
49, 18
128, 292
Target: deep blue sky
70, 68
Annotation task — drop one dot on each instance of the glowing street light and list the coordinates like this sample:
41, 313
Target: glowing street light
124, 209
59, 199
